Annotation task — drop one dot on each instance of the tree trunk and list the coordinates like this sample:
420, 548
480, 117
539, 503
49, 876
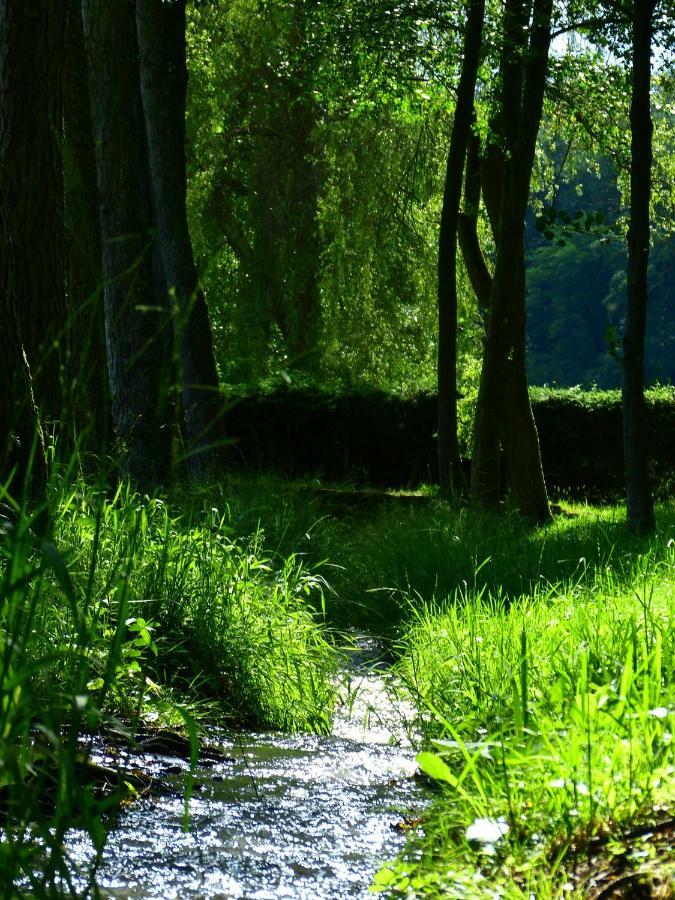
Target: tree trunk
31, 48
84, 276
638, 491
22, 460
136, 323
467, 228
449, 466
503, 413
161, 36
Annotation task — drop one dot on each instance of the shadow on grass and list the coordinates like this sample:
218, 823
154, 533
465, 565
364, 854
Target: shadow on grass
381, 555
438, 552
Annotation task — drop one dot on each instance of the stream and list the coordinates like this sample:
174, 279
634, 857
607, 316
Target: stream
301, 816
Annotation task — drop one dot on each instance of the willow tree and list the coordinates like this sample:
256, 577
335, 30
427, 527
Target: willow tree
267, 177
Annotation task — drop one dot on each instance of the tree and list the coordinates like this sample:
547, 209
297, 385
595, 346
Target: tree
137, 321
629, 29
316, 134
84, 275
22, 460
503, 413
266, 180
640, 506
449, 469
163, 72
31, 57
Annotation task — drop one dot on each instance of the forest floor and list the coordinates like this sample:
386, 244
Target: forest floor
542, 662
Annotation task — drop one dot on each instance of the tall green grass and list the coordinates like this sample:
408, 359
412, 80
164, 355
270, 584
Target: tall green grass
549, 714
134, 608
412, 555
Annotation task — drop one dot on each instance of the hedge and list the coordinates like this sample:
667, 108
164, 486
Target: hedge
388, 441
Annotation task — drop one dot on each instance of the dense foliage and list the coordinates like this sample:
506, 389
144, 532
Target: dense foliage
342, 208
339, 240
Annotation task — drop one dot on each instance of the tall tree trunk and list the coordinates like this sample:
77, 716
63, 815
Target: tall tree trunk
84, 275
136, 323
467, 228
31, 49
22, 460
639, 496
161, 36
449, 466
503, 414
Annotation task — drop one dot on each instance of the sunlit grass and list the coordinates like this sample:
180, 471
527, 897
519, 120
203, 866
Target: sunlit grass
407, 555
137, 611
541, 659
549, 714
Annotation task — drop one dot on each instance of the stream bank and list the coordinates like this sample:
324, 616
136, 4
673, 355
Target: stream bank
301, 816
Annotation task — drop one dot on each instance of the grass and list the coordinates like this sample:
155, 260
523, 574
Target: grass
542, 662
137, 610
408, 556
219, 607
548, 692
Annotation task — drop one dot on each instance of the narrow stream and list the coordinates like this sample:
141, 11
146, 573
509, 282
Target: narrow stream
286, 817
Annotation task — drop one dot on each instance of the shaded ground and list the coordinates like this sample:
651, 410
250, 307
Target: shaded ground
638, 864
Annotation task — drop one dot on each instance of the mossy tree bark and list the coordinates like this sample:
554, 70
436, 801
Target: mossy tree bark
449, 464
137, 321
640, 505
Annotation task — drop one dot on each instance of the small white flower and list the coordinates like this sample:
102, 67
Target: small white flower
487, 831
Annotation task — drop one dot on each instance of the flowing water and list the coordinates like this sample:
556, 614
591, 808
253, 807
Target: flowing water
282, 816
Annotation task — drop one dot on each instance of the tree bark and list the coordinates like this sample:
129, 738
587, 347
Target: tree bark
22, 459
503, 413
137, 323
161, 36
640, 505
31, 50
449, 464
84, 275
467, 228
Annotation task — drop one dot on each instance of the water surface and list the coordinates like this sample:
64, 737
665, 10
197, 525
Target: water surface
284, 816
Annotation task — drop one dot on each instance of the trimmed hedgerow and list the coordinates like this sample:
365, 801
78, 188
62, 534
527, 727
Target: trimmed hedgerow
385, 440
581, 440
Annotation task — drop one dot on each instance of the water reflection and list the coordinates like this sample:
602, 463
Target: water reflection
286, 817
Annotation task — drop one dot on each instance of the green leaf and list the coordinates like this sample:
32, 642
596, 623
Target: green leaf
433, 766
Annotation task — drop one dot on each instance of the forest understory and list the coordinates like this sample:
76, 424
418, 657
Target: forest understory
337, 352
540, 662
